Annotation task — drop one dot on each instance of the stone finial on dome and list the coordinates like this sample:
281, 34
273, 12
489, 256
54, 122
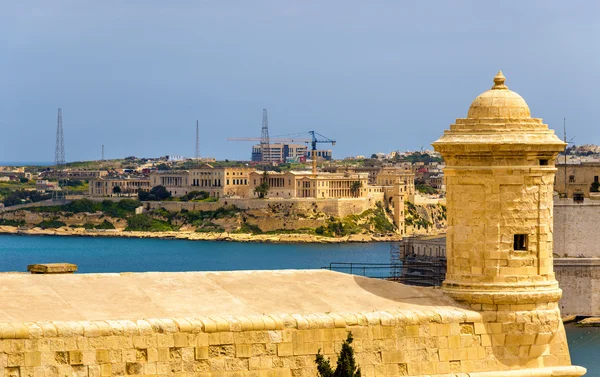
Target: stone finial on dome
499, 82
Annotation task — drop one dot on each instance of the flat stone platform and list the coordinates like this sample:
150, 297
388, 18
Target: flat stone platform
131, 296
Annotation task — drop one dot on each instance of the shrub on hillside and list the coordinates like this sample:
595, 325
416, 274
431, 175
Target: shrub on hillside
6, 222
50, 224
103, 225
145, 223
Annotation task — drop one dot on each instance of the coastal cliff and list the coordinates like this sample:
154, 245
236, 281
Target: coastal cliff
274, 223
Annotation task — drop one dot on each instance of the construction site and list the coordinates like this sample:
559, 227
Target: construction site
287, 148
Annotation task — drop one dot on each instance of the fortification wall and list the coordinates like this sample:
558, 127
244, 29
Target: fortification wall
575, 228
579, 280
404, 343
331, 207
34, 218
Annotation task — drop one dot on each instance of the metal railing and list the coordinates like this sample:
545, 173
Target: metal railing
430, 274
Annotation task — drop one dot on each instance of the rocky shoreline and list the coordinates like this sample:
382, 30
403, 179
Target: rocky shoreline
195, 236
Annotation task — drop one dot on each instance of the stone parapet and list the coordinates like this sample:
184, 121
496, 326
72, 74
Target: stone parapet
445, 342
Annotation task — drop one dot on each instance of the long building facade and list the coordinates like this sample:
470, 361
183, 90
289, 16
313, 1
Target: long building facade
391, 185
127, 186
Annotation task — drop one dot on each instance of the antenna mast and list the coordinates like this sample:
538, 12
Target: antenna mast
59, 161
265, 148
565, 136
197, 155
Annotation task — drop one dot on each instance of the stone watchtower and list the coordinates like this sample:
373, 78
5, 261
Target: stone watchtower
499, 181
500, 167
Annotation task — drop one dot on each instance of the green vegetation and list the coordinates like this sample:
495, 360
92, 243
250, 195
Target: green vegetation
442, 215
355, 188
198, 218
414, 218
148, 224
263, 189
23, 196
155, 193
120, 209
6, 222
50, 224
103, 225
372, 219
380, 221
346, 364
208, 227
74, 183
425, 189
248, 228
195, 195
595, 187
420, 157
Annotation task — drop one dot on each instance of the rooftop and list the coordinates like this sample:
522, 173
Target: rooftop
131, 296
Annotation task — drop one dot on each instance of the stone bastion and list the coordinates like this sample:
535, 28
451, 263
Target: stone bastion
496, 315
262, 324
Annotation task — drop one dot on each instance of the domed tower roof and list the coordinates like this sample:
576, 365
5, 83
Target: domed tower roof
499, 123
499, 102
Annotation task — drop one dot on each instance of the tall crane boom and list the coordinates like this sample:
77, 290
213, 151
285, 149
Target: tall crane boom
315, 138
273, 139
313, 143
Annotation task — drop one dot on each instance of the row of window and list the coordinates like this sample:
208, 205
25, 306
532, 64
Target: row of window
572, 179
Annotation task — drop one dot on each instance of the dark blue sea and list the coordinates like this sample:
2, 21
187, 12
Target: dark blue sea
136, 255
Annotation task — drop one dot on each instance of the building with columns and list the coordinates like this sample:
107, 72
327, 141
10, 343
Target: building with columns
127, 186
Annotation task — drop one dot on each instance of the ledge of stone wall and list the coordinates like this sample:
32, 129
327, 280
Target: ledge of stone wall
213, 324
591, 262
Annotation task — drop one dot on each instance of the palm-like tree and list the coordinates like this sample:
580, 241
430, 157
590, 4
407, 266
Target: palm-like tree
355, 188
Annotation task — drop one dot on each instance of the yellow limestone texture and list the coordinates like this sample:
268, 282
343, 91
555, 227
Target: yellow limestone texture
496, 316
500, 167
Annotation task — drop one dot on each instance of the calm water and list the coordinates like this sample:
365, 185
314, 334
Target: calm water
119, 255
134, 255
584, 345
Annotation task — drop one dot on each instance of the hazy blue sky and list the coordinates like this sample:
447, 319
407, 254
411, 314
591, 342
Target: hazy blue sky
373, 75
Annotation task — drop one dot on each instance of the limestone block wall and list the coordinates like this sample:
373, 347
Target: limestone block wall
580, 282
486, 208
575, 228
34, 218
403, 343
331, 207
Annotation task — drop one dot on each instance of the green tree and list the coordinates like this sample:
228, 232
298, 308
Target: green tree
595, 187
355, 188
374, 156
116, 190
263, 189
156, 193
346, 365
195, 195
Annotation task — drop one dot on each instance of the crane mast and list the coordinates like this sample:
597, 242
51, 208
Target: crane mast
313, 143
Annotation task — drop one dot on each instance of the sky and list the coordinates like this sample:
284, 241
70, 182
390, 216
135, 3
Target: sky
375, 76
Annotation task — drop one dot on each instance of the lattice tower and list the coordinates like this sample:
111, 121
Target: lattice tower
265, 148
59, 193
